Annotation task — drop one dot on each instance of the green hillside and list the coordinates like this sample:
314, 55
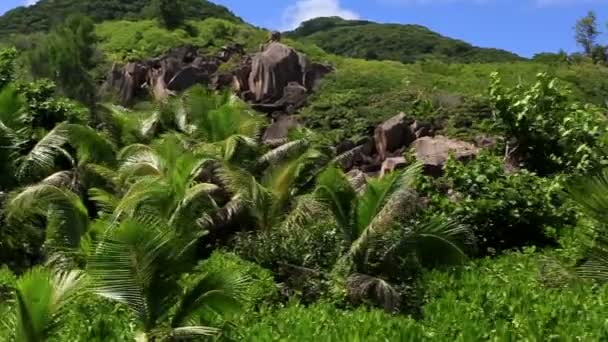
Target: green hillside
46, 13
403, 43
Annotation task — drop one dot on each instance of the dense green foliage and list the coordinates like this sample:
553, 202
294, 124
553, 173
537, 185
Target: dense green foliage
45, 14
402, 43
129, 40
507, 209
174, 220
498, 299
360, 94
65, 56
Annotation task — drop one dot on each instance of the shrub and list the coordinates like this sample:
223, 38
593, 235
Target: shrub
501, 299
323, 322
548, 131
261, 289
504, 209
299, 258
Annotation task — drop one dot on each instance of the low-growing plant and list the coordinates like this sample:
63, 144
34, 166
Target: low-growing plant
504, 209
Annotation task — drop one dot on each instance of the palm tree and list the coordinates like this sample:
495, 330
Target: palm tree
61, 211
267, 198
42, 297
591, 193
366, 217
140, 262
161, 178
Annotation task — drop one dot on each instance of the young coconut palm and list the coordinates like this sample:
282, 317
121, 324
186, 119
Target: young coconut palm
42, 297
140, 263
366, 218
269, 198
162, 178
61, 212
218, 126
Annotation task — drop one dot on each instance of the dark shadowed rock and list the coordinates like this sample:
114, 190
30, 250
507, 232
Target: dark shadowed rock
280, 128
392, 134
433, 152
420, 129
294, 97
186, 78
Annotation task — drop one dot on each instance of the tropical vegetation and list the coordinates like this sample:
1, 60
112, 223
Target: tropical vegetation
175, 220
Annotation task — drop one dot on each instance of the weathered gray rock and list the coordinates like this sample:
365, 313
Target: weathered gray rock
392, 164
433, 152
272, 70
130, 81
392, 134
280, 128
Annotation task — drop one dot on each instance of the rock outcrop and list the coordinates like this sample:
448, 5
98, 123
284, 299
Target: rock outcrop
393, 134
433, 152
277, 79
272, 70
392, 164
278, 130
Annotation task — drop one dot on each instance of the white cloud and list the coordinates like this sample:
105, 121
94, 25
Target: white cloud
30, 2
304, 10
431, 2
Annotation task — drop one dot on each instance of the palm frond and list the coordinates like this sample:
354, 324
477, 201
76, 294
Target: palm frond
40, 161
400, 204
197, 201
379, 191
105, 201
90, 145
42, 298
307, 209
125, 264
335, 191
218, 292
436, 242
67, 217
61, 179
11, 105
595, 266
591, 193
192, 332
140, 160
279, 154
363, 287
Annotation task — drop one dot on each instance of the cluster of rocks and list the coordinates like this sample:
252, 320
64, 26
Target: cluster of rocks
394, 137
277, 80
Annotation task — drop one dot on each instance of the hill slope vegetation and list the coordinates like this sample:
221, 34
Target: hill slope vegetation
403, 43
47, 13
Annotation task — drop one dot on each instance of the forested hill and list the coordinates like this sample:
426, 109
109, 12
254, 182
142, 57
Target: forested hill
403, 43
46, 13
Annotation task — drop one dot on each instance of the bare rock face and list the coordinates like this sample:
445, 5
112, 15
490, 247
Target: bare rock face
392, 164
280, 128
277, 79
272, 70
393, 134
433, 152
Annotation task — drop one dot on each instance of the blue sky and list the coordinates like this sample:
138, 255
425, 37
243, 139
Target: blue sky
522, 26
